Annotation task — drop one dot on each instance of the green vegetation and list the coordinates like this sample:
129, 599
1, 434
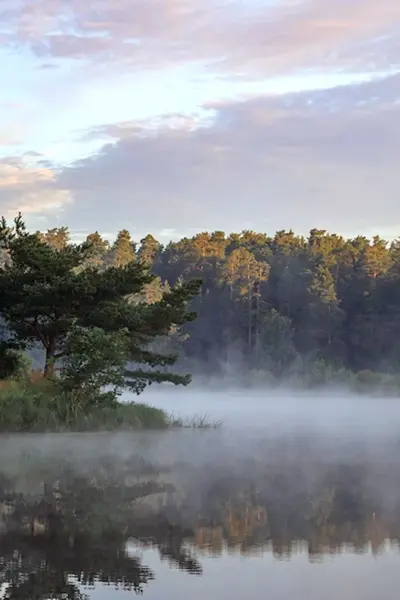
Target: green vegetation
195, 422
320, 374
307, 312
98, 332
43, 406
295, 309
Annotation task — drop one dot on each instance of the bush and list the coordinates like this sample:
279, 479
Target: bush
380, 383
95, 360
13, 363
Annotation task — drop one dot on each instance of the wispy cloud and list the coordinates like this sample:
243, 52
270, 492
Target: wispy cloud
267, 36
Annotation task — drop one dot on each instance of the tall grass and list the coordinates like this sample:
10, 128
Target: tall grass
195, 422
39, 406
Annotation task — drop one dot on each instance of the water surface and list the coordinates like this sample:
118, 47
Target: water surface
283, 502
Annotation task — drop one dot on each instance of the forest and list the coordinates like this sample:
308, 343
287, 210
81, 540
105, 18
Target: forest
281, 304
309, 310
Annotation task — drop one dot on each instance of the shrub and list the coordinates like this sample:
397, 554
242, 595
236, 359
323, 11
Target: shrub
13, 363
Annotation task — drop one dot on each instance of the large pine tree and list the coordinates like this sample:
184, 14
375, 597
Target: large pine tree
45, 292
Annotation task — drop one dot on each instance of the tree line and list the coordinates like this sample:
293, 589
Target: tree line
276, 302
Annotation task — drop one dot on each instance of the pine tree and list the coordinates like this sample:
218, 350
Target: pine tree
58, 237
44, 294
98, 248
123, 250
325, 315
149, 250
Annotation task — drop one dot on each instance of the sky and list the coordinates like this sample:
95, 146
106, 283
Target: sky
178, 116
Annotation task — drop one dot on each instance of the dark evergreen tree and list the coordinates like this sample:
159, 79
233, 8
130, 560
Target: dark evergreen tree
45, 293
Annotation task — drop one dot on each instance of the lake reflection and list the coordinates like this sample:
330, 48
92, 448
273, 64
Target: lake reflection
175, 514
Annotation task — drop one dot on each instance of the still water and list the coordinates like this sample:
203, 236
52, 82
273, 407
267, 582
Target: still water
295, 507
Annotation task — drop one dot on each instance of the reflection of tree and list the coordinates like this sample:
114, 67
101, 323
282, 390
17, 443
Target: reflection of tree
73, 530
172, 549
43, 586
64, 529
242, 526
39, 567
171, 543
337, 510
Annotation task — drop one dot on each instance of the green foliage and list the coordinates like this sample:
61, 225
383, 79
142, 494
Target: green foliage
137, 379
50, 291
97, 250
45, 406
243, 270
380, 383
314, 310
149, 250
123, 250
320, 373
25, 406
58, 238
41, 295
277, 338
341, 297
95, 359
13, 363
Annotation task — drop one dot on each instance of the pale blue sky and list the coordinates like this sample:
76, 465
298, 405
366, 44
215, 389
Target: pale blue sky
182, 115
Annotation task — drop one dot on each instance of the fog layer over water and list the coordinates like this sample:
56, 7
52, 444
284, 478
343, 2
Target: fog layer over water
281, 410
296, 495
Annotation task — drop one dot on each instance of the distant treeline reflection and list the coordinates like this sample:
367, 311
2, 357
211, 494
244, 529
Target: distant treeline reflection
64, 526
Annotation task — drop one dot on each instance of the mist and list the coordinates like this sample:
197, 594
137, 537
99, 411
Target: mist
286, 451
330, 424
272, 411
293, 433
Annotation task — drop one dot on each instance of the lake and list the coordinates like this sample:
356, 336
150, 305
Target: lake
294, 497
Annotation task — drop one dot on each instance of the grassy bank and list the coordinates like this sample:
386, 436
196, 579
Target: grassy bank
41, 407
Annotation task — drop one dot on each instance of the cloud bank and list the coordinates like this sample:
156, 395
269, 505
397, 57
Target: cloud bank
263, 163
295, 124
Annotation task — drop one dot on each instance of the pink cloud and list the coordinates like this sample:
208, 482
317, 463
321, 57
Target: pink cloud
157, 32
28, 188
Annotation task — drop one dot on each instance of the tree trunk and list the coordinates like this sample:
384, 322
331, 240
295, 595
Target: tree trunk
49, 366
258, 345
329, 326
249, 339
